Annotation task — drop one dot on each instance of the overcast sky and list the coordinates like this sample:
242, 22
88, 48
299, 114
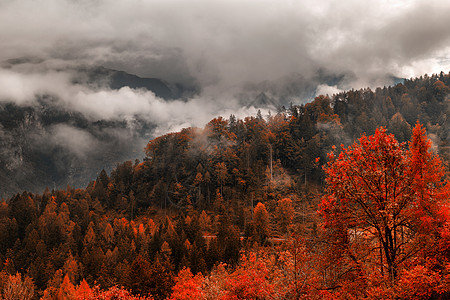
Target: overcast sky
231, 41
219, 45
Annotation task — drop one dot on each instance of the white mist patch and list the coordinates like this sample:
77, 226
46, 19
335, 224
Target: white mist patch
324, 89
22, 88
428, 65
127, 104
435, 142
72, 139
197, 112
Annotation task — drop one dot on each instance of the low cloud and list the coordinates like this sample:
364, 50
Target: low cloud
126, 104
22, 88
73, 140
323, 89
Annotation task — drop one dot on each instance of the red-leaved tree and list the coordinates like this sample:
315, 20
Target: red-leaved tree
384, 209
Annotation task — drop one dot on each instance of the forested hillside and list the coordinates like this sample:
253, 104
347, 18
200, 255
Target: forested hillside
236, 203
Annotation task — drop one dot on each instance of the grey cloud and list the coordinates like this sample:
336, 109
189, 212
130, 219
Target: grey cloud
222, 44
379, 41
426, 30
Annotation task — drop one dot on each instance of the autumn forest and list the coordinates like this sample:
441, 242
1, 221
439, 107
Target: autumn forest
345, 197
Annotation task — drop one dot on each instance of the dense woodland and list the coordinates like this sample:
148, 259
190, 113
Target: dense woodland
261, 208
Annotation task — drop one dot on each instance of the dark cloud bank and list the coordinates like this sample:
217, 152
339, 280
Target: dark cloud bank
207, 58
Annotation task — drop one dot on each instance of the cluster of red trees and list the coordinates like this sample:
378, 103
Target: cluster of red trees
229, 211
384, 234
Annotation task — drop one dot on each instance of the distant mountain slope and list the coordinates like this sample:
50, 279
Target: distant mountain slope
99, 76
46, 146
117, 79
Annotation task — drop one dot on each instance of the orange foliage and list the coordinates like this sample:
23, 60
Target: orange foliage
383, 209
249, 281
83, 291
18, 288
187, 286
